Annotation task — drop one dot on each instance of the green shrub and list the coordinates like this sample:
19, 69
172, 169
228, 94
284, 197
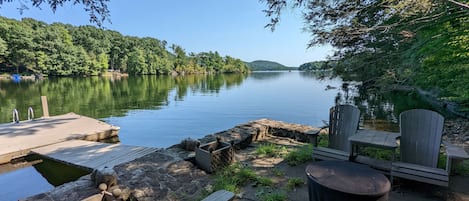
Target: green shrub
271, 150
323, 140
300, 155
231, 178
273, 196
245, 175
226, 183
265, 181
294, 182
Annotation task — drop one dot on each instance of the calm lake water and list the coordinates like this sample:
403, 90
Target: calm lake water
161, 111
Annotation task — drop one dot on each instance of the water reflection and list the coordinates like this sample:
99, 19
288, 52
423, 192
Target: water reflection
380, 109
104, 97
48, 169
267, 75
319, 75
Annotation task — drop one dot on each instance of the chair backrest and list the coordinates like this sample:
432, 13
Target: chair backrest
421, 132
343, 122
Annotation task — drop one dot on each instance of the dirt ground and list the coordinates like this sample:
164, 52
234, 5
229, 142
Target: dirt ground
280, 172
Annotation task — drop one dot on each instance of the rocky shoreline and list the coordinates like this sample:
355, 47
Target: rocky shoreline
170, 174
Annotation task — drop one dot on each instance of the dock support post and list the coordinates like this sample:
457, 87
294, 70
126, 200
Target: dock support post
45, 107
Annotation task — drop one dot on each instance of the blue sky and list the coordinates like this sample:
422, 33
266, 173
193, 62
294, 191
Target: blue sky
234, 28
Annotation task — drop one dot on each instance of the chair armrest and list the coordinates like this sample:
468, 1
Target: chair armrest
453, 151
313, 136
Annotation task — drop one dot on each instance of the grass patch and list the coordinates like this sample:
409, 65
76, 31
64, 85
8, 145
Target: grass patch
233, 177
278, 172
245, 175
271, 150
323, 140
462, 168
377, 153
265, 181
229, 184
292, 183
271, 195
441, 161
300, 155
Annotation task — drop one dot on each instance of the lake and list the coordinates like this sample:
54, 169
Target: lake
159, 111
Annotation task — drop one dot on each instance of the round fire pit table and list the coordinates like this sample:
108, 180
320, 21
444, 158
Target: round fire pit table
343, 180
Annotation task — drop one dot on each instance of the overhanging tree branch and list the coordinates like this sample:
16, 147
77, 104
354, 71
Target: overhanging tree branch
459, 4
97, 9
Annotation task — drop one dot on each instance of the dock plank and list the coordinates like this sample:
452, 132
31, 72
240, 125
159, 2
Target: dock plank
93, 155
17, 139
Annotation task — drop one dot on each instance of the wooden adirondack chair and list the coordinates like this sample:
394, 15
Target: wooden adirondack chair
420, 142
343, 122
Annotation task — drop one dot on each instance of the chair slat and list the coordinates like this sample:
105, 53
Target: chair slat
343, 122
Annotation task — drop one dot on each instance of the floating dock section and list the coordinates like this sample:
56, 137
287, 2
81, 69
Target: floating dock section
92, 155
18, 139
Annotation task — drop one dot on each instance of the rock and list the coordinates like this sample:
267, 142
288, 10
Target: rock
189, 144
161, 175
102, 186
104, 175
116, 192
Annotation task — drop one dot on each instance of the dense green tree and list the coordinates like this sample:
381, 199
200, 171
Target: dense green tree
31, 46
181, 59
136, 62
3, 50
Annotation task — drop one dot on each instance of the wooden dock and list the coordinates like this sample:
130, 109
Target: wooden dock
92, 155
18, 139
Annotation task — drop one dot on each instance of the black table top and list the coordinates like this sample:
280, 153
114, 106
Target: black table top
348, 177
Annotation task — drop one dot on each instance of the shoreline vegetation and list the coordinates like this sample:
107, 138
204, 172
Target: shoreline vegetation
34, 47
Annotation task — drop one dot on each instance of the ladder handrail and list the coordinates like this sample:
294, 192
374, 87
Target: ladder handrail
16, 117
30, 113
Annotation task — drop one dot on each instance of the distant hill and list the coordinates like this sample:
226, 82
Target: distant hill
317, 66
261, 65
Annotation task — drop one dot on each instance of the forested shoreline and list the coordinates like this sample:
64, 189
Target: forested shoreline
387, 45
34, 47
